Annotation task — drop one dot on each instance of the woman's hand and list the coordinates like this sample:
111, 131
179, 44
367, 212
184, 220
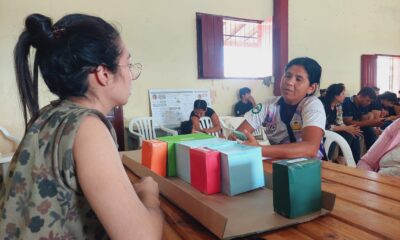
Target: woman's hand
251, 140
232, 137
147, 185
147, 190
354, 130
384, 113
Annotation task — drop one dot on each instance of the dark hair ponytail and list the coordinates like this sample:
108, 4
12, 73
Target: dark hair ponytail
66, 53
37, 30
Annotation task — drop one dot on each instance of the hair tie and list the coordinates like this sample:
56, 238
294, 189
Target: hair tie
58, 32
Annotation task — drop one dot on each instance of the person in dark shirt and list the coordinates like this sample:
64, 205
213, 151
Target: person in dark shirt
355, 112
384, 106
246, 102
200, 110
334, 97
322, 94
376, 90
186, 127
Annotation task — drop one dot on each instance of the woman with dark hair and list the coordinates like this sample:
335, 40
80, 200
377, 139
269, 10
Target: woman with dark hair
335, 95
200, 110
294, 122
66, 179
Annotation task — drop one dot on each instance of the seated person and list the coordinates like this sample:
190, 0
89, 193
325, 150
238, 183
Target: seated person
200, 110
186, 127
376, 90
67, 180
355, 112
294, 122
322, 94
385, 106
383, 156
333, 100
246, 102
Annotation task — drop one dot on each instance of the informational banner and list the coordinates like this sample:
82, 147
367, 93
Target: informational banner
169, 107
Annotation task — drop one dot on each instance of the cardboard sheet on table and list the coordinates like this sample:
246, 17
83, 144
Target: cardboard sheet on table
225, 216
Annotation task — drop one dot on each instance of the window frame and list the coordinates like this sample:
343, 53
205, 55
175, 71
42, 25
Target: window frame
210, 45
369, 69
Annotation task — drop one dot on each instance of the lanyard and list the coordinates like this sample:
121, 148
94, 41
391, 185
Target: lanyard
287, 119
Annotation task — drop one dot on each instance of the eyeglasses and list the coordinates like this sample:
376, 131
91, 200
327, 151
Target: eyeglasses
136, 69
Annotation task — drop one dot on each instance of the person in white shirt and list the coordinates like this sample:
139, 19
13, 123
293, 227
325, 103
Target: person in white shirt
294, 122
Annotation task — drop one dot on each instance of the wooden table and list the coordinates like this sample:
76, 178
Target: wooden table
367, 207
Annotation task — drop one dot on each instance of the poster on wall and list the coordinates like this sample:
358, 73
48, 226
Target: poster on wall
169, 107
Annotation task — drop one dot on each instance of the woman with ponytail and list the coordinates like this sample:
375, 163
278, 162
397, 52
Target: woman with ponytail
333, 100
66, 180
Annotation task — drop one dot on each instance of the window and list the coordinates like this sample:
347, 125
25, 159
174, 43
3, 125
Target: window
382, 71
233, 48
388, 70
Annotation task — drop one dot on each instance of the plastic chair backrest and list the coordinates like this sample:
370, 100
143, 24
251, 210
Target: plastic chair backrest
205, 122
331, 137
6, 158
258, 132
231, 122
144, 126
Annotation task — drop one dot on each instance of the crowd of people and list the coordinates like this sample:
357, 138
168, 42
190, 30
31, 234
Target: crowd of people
370, 115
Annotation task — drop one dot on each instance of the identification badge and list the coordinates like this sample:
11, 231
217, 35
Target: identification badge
296, 126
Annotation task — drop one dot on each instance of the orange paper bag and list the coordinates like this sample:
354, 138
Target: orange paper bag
154, 156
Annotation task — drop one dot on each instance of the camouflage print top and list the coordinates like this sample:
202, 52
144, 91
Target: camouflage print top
42, 198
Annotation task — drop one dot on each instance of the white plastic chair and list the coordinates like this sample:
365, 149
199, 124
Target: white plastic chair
229, 123
6, 158
258, 133
143, 127
331, 137
206, 122
227, 127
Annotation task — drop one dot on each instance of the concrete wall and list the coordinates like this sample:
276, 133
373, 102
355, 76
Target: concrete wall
338, 32
160, 34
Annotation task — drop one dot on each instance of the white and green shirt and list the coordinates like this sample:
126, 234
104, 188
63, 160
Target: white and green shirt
309, 112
